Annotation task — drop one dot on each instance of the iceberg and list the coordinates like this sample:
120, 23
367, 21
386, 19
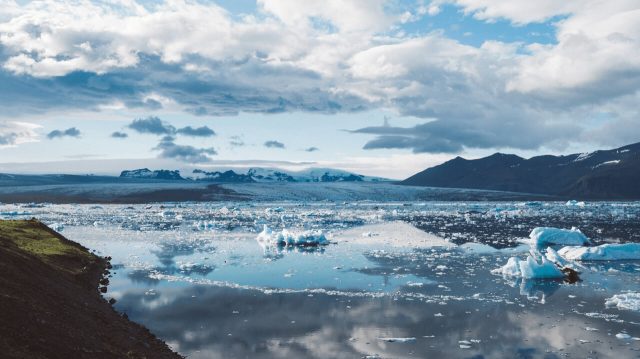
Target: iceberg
58, 227
561, 261
574, 203
605, 252
625, 301
535, 266
287, 238
544, 236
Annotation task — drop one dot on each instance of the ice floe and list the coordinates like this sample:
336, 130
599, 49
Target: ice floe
289, 238
481, 248
544, 236
398, 340
574, 203
535, 266
625, 336
560, 261
58, 227
625, 301
605, 252
394, 234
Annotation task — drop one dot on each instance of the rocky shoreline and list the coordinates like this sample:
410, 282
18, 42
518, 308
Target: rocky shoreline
50, 305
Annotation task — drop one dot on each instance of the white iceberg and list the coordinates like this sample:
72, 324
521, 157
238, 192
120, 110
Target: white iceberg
535, 266
574, 203
605, 252
561, 261
58, 227
544, 236
625, 301
288, 238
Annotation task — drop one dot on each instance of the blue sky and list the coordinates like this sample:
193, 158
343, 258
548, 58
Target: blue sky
378, 87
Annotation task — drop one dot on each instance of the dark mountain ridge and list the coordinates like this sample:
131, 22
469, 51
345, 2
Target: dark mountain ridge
603, 174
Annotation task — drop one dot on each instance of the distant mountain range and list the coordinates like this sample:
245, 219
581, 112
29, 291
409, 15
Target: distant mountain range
253, 175
148, 174
605, 174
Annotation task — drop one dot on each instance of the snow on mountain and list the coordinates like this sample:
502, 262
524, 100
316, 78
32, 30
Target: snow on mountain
220, 176
145, 173
269, 175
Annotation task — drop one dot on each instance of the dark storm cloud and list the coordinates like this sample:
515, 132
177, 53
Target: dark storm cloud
184, 153
152, 125
453, 136
203, 131
155, 126
119, 134
273, 144
69, 132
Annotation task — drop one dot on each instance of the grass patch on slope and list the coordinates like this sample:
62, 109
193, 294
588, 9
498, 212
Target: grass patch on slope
35, 238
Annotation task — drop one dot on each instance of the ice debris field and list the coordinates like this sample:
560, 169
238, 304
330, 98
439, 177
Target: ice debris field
563, 276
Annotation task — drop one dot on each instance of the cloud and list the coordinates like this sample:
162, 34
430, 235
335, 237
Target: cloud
155, 126
203, 131
69, 132
236, 141
334, 56
152, 125
273, 144
452, 137
14, 133
8, 139
312, 149
184, 153
520, 12
119, 134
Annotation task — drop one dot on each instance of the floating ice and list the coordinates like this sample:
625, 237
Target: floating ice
58, 227
14, 213
287, 238
574, 203
535, 266
562, 262
398, 340
625, 336
544, 236
481, 248
625, 301
605, 252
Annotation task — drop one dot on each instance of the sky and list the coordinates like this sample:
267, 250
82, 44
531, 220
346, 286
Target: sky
378, 87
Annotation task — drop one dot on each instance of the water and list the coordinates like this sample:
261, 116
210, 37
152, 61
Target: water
195, 275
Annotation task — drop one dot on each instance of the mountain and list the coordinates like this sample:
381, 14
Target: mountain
267, 175
256, 174
604, 174
217, 176
145, 173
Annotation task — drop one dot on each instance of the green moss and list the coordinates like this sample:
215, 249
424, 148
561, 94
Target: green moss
34, 238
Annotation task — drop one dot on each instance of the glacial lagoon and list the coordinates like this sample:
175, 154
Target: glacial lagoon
396, 280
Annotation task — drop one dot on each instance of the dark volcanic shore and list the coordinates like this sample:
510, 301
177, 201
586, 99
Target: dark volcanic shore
50, 306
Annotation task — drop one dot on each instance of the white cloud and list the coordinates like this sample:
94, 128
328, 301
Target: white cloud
339, 56
15, 133
360, 16
517, 11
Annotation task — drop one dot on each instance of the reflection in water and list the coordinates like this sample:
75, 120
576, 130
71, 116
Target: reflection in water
214, 322
226, 297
